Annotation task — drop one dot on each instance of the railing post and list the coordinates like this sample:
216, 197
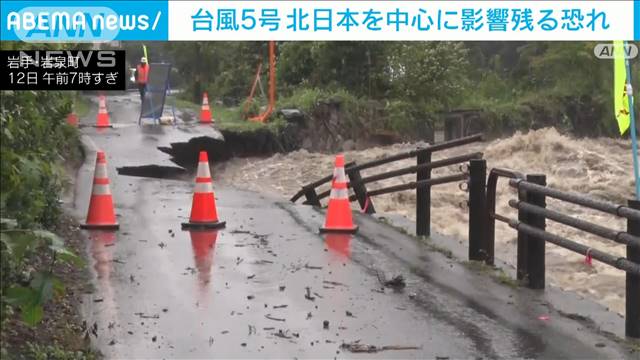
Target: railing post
489, 220
477, 208
535, 261
632, 320
361, 191
312, 197
423, 196
522, 273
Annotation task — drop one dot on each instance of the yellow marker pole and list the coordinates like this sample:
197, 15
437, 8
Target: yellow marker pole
144, 49
623, 102
634, 140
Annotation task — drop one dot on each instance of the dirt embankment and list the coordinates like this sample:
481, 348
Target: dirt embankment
599, 167
313, 133
236, 144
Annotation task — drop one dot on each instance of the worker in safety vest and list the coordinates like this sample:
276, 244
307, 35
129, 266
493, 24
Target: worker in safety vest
142, 75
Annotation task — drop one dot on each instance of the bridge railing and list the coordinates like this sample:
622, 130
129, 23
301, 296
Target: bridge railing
422, 185
532, 234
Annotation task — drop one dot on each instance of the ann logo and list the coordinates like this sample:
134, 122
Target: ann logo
606, 51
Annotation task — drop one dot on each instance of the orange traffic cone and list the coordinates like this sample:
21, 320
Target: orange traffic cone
100, 214
339, 217
103, 115
203, 208
205, 111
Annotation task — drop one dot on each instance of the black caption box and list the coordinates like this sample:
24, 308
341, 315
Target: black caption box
63, 70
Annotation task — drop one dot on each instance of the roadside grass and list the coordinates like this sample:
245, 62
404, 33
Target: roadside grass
47, 351
496, 273
81, 105
230, 118
634, 344
186, 105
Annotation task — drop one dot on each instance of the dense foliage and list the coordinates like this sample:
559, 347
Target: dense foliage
34, 141
34, 136
35, 145
514, 84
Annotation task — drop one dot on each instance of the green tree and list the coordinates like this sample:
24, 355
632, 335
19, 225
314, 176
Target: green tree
430, 75
357, 66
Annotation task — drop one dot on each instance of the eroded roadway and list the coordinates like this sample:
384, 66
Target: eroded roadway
241, 292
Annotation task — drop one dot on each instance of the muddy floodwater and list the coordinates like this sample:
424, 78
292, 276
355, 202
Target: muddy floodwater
601, 168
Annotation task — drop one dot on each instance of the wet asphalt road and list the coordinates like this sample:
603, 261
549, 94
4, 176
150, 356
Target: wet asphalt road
241, 292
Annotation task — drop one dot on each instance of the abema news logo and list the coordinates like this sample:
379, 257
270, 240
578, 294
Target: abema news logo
84, 21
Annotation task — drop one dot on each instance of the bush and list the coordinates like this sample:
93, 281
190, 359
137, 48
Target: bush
308, 99
34, 141
46, 352
305, 99
250, 108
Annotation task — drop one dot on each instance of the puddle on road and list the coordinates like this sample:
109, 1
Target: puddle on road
101, 247
203, 244
100, 241
339, 245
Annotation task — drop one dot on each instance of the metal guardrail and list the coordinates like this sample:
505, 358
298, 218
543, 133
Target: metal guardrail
488, 232
532, 233
422, 169
530, 223
408, 170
